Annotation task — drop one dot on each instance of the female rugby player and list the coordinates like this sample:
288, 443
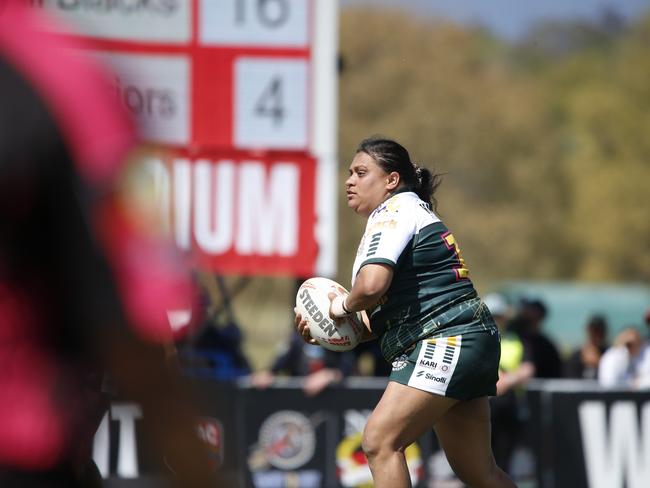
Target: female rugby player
412, 286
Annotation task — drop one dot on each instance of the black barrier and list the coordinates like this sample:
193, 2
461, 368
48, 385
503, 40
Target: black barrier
274, 437
285, 438
581, 436
589, 437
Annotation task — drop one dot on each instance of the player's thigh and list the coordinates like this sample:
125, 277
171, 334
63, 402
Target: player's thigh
464, 434
402, 415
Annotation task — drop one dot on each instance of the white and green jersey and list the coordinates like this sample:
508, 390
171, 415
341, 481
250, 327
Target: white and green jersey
431, 289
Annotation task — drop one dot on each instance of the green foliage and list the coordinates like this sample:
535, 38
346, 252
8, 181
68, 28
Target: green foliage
544, 145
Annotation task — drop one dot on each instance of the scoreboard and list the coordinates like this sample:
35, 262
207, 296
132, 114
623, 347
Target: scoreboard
241, 94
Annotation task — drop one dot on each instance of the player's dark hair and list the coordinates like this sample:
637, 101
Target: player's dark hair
392, 156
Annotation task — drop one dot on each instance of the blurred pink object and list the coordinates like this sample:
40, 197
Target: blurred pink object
48, 413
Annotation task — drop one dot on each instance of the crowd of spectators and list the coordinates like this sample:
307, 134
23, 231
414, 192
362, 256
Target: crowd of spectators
214, 349
527, 352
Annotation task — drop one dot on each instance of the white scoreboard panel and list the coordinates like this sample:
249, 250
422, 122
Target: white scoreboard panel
270, 102
167, 21
278, 23
156, 89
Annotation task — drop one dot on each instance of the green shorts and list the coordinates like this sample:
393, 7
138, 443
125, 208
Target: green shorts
461, 366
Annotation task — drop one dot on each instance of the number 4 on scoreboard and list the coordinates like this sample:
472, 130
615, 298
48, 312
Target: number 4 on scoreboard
270, 103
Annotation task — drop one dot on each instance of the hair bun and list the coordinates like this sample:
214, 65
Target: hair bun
426, 184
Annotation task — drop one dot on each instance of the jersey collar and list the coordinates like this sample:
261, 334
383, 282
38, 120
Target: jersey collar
382, 205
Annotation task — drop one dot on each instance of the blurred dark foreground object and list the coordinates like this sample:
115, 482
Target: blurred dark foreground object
82, 290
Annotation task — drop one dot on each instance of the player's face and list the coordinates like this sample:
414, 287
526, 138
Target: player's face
366, 187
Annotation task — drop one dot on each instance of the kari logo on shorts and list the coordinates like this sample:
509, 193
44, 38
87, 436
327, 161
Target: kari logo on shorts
440, 355
400, 363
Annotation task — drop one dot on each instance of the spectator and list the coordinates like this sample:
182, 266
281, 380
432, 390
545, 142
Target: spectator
583, 362
543, 353
627, 363
213, 345
515, 370
217, 352
515, 365
319, 367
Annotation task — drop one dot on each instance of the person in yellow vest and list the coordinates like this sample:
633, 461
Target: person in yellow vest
515, 370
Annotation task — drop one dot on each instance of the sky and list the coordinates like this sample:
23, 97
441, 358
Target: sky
511, 18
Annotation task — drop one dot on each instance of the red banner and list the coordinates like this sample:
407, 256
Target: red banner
245, 214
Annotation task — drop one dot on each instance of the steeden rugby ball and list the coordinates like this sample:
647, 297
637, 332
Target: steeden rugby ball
313, 304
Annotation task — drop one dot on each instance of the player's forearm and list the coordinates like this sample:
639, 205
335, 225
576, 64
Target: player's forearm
361, 300
371, 285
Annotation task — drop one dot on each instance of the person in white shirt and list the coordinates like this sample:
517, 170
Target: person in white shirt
627, 363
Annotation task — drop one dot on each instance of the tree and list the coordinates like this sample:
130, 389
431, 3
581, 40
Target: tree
538, 145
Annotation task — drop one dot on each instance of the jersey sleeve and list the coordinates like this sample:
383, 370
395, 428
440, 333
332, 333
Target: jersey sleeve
387, 235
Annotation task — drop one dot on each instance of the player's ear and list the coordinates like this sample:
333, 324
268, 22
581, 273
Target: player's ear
392, 180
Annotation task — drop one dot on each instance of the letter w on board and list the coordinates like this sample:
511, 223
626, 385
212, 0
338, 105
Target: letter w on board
616, 448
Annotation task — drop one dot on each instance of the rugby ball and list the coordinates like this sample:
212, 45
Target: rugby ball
314, 305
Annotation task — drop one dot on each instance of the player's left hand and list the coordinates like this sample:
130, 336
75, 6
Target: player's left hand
303, 328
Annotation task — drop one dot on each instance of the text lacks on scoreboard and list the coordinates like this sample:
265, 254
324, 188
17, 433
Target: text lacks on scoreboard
167, 21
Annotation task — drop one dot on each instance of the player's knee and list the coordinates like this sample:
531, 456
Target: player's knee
370, 443
375, 442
